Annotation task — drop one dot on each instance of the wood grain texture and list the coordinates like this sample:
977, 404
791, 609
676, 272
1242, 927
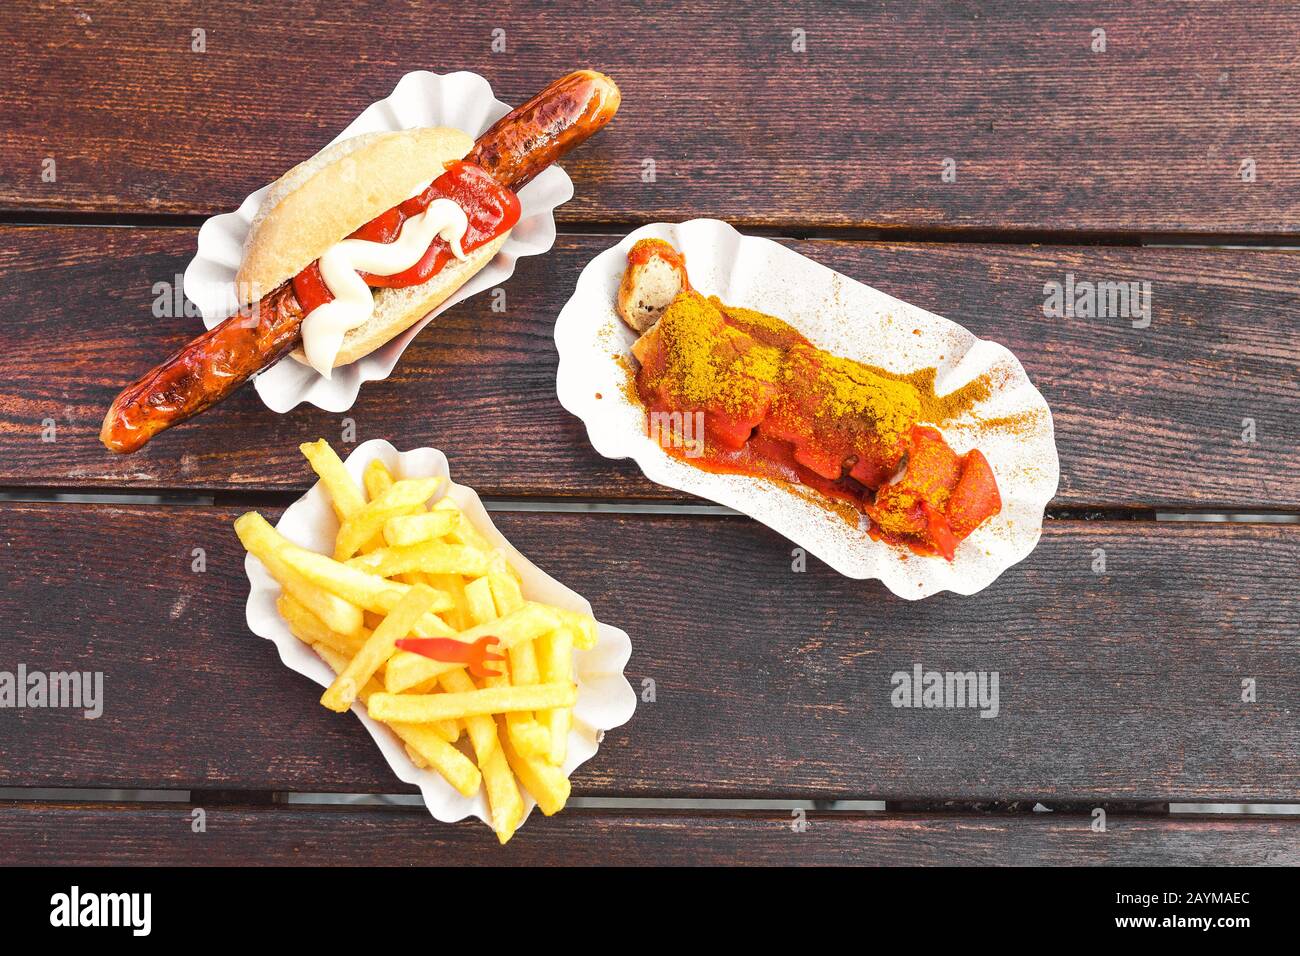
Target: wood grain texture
1122, 686
1147, 137
1144, 417
158, 835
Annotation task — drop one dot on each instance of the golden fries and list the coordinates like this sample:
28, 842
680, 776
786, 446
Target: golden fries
310, 629
530, 621
529, 736
426, 708
505, 589
453, 584
401, 498
379, 648
262, 542
353, 585
405, 530
478, 601
555, 663
377, 479
345, 496
429, 557
504, 799
403, 565
582, 627
464, 532
548, 785
360, 588
424, 741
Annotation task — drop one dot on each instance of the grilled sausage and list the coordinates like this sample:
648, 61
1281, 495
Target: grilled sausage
514, 150
205, 371
530, 137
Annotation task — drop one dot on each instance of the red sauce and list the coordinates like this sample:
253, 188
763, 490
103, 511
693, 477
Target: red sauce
940, 499
762, 456
754, 434
770, 429
646, 249
490, 208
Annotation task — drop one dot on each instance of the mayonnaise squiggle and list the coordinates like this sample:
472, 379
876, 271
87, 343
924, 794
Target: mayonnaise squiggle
354, 303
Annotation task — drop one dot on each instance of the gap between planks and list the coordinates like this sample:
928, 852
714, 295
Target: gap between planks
585, 506
239, 798
793, 231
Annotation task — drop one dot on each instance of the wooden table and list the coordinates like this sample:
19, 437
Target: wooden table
1120, 689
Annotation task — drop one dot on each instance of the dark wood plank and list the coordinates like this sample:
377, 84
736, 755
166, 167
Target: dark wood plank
1122, 686
157, 835
1144, 417
1147, 137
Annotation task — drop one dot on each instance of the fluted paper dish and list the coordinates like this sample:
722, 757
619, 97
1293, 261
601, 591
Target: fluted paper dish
605, 699
462, 100
846, 318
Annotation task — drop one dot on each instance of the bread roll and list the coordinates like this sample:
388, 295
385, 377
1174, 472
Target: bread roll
326, 198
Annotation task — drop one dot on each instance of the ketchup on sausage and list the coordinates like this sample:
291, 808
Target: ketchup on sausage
490, 208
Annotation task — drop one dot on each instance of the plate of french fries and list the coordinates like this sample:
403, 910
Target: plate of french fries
484, 681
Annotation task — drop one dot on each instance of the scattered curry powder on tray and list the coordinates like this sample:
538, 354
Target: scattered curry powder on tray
1022, 423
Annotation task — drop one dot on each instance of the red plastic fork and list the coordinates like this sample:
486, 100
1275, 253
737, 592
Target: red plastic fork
452, 651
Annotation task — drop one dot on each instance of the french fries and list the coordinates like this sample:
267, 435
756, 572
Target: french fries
453, 584
425, 742
405, 530
504, 799
548, 785
464, 532
338, 613
376, 478
401, 498
427, 708
310, 629
345, 496
527, 623
378, 648
478, 602
581, 626
529, 736
352, 585
429, 557
555, 666
404, 565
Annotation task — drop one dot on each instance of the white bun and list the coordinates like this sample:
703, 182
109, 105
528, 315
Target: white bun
396, 310
326, 198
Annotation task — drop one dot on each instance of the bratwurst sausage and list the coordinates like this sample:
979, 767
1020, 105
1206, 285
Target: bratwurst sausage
513, 150
530, 137
205, 371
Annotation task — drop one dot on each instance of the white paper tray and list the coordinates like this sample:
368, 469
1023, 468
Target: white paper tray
461, 100
847, 318
605, 699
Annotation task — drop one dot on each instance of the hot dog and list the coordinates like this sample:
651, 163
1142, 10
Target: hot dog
510, 154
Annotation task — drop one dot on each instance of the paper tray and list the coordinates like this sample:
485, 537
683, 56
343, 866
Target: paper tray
847, 318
